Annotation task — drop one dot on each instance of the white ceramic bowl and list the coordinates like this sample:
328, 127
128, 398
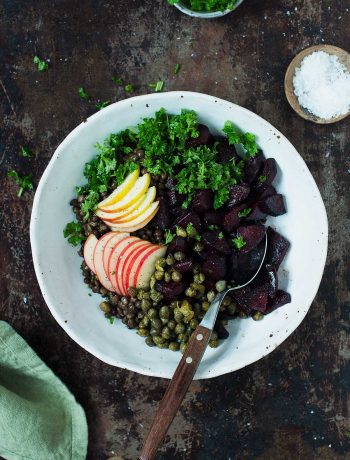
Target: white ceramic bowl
203, 15
57, 264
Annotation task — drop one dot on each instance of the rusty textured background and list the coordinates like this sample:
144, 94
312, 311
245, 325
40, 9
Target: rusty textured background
294, 404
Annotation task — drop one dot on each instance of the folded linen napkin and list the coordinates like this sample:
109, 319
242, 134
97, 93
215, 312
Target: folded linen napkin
39, 417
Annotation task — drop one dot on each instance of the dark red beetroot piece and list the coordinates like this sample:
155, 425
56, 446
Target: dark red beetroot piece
174, 198
254, 299
244, 266
205, 137
183, 266
281, 298
162, 218
215, 268
277, 247
252, 235
188, 217
273, 205
178, 244
203, 201
253, 167
213, 217
268, 274
231, 219
213, 243
268, 192
269, 172
171, 290
238, 194
256, 214
226, 152
239, 296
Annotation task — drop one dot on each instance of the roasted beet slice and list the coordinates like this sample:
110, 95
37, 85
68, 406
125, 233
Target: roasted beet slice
178, 244
215, 268
257, 298
268, 172
239, 295
183, 266
268, 192
277, 247
268, 275
238, 194
203, 201
213, 217
253, 167
252, 235
162, 219
188, 217
202, 256
226, 152
214, 241
221, 330
281, 298
244, 266
174, 198
273, 205
256, 214
172, 289
231, 219
204, 138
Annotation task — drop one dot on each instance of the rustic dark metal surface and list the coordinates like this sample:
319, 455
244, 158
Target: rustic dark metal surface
294, 404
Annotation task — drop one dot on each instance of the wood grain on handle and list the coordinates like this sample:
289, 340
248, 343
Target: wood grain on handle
175, 392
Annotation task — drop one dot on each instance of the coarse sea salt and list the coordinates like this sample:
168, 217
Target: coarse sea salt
322, 85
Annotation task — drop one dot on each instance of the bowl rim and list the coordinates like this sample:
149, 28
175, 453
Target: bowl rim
35, 241
203, 14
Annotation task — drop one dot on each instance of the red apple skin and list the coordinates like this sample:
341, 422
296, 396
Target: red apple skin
112, 261
134, 263
98, 261
147, 267
136, 249
117, 236
89, 247
129, 245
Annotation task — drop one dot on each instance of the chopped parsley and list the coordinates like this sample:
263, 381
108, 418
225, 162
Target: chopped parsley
177, 68
245, 212
74, 232
110, 319
221, 235
117, 80
158, 87
169, 236
42, 66
246, 139
192, 232
24, 182
213, 227
83, 94
239, 242
129, 88
262, 178
206, 5
26, 152
101, 105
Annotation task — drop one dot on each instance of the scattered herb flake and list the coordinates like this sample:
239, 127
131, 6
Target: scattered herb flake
169, 236
129, 88
245, 212
26, 152
221, 235
177, 68
239, 242
41, 65
74, 232
246, 139
262, 178
110, 319
24, 182
83, 94
117, 80
101, 105
213, 227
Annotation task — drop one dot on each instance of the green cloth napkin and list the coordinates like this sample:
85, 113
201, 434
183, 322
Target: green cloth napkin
39, 417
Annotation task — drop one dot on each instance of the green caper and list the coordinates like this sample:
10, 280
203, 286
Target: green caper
153, 332
146, 321
231, 308
173, 346
220, 285
167, 277
175, 304
146, 295
186, 304
176, 276
164, 312
192, 231
105, 307
258, 316
182, 337
205, 305
132, 291
156, 324
243, 315
198, 287
180, 328
145, 305
170, 259
161, 262
166, 334
178, 316
193, 323
190, 292
213, 343
140, 294
178, 255
181, 232
163, 345
152, 313
164, 320
200, 315
226, 302
187, 319
149, 341
157, 339
183, 347
156, 296
214, 335
211, 295
158, 275
196, 269
172, 324
152, 282
199, 278
198, 246
143, 332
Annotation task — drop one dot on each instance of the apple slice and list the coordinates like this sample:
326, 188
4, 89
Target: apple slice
108, 212
134, 228
147, 266
89, 247
117, 236
138, 220
114, 258
98, 261
122, 190
150, 197
130, 263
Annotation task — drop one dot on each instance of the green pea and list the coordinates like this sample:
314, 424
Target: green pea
180, 328
143, 332
173, 346
152, 313
164, 312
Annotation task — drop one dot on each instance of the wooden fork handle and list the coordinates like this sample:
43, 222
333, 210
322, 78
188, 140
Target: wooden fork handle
175, 392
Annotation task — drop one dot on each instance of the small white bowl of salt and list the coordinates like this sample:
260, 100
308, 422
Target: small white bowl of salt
317, 84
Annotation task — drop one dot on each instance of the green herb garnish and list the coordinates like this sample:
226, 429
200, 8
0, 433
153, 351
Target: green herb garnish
245, 212
117, 80
221, 235
206, 5
41, 65
83, 94
110, 319
101, 105
213, 227
129, 88
24, 182
158, 87
246, 139
192, 232
239, 242
169, 236
177, 68
74, 232
25, 152
262, 178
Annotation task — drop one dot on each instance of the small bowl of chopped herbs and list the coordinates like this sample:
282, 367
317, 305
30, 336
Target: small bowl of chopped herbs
206, 9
